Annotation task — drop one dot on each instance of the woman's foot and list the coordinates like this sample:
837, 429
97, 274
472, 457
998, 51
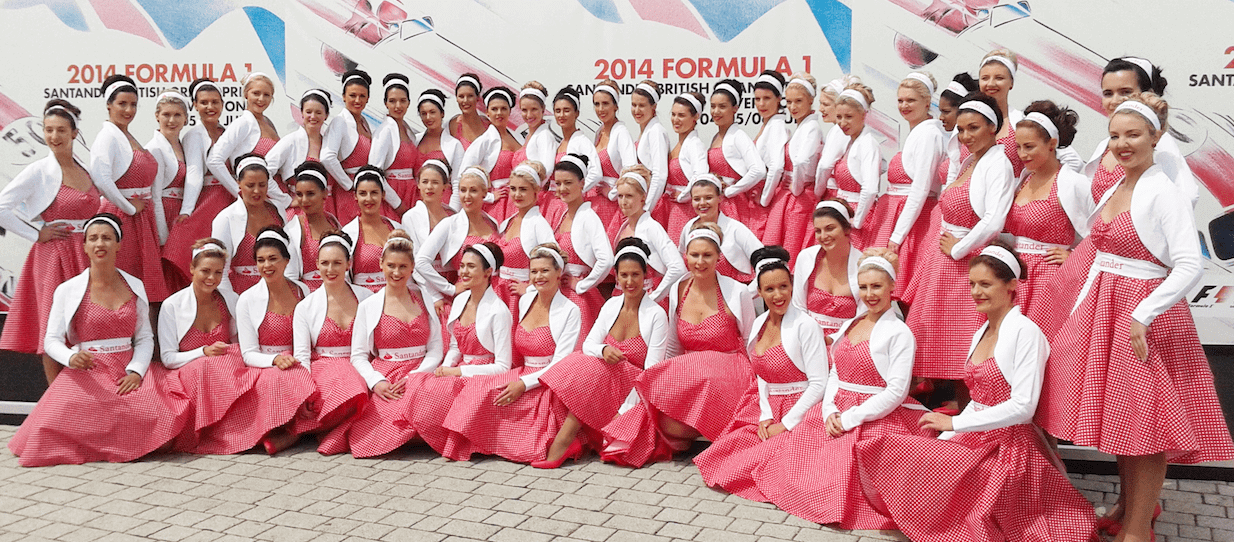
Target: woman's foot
278, 440
574, 451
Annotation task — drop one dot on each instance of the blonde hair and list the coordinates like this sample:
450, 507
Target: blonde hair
920, 88
535, 165
713, 227
248, 80
842, 82
1154, 102
546, 250
639, 170
1005, 53
865, 91
170, 100
886, 254
399, 241
211, 253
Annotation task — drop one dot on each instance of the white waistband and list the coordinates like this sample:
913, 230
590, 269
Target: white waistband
474, 359
143, 193
577, 270
352, 171
368, 279
728, 181
848, 195
1119, 265
402, 354
273, 349
209, 180
311, 275
609, 181
245, 270
788, 388
1028, 245
537, 362
860, 388
106, 346
333, 351
957, 231
514, 273
499, 183
173, 192
401, 174
827, 321
74, 225
978, 407
831, 184
898, 189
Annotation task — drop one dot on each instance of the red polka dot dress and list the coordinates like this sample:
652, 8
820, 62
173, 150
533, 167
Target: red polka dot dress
670, 214
504, 207
243, 273
47, 266
366, 265
342, 393
816, 476
607, 209
887, 212
1036, 225
401, 175
173, 198
81, 418
787, 215
1098, 393
383, 427
744, 206
1010, 149
1001, 484
279, 396
431, 404
942, 317
345, 206
515, 262
850, 192
211, 200
700, 388
828, 309
522, 430
140, 249
310, 276
589, 303
593, 389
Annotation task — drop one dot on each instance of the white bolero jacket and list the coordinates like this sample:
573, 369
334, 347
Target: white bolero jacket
494, 323
65, 302
177, 315
310, 315
803, 342
363, 349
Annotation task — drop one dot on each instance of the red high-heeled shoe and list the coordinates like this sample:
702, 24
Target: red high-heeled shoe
925, 387
1116, 527
575, 451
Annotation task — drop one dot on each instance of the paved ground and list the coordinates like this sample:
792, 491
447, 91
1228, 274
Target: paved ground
417, 496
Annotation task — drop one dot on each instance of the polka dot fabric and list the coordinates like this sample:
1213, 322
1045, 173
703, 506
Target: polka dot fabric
823, 302
1041, 220
589, 303
670, 214
342, 394
884, 218
593, 389
140, 251
382, 427
367, 259
345, 206
745, 206
504, 207
432, 403
864, 237
212, 199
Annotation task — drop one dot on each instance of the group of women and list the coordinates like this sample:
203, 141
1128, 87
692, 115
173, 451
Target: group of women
378, 286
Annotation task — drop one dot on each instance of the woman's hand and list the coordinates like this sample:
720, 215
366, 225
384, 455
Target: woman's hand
936, 422
128, 383
518, 287
82, 360
448, 371
389, 392
834, 427
1056, 255
217, 349
1139, 339
768, 429
284, 361
439, 306
947, 242
613, 356
893, 246
181, 218
54, 232
138, 204
513, 391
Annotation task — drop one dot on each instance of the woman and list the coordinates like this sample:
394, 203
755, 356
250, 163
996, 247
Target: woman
370, 230
697, 389
597, 383
430, 208
303, 145
539, 145
521, 232
858, 170
479, 327
990, 476
866, 398
322, 326
580, 234
800, 159
56, 190
394, 147
739, 242
970, 213
996, 78
902, 215
687, 159
789, 360
468, 125
835, 143
1051, 206
493, 152
250, 133
510, 414
733, 158
238, 225
395, 347
265, 330
653, 144
949, 100
665, 260
825, 275
615, 149
204, 194
348, 143
771, 142
112, 404
312, 222
436, 143
171, 110
126, 175
444, 246
1131, 330
566, 107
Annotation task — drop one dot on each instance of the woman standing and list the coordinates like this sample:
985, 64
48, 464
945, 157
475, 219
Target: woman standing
303, 145
566, 107
581, 236
615, 149
739, 242
171, 110
436, 143
687, 160
539, 145
825, 276
949, 101
996, 79
859, 167
510, 414
801, 164
347, 146
835, 143
1131, 331
58, 191
395, 347
204, 194
430, 208
493, 152
733, 158
238, 225
665, 260
250, 133
991, 476
370, 230
771, 142
652, 145
521, 232
444, 246
126, 175
312, 222
468, 124
394, 147
112, 404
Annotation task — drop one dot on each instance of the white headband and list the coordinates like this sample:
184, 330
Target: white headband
1045, 122
392, 240
115, 87
486, 254
775, 83
837, 206
706, 178
630, 249
540, 252
924, 80
650, 90
573, 99
269, 234
1143, 64
59, 107
173, 95
316, 92
1003, 255
758, 267
608, 90
982, 108
205, 84
637, 178
1143, 110
702, 233
251, 161
856, 97
114, 225
698, 107
836, 86
804, 84
479, 173
576, 161
334, 238
211, 246
252, 75
475, 83
499, 93
381, 179
728, 89
438, 163
430, 97
530, 172
534, 93
397, 83
353, 77
881, 263
1001, 60
956, 88
314, 174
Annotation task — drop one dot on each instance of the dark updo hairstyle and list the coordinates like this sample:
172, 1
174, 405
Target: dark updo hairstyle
115, 221
498, 256
820, 212
735, 100
1147, 81
683, 101
315, 97
65, 110
632, 257
401, 82
768, 86
370, 170
273, 243
346, 253
1063, 118
262, 166
445, 173
990, 101
570, 95
439, 94
773, 252
130, 87
570, 167
311, 165
357, 77
503, 93
197, 86
965, 80
474, 83
1001, 270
